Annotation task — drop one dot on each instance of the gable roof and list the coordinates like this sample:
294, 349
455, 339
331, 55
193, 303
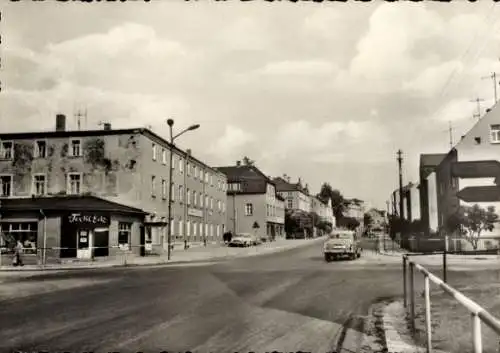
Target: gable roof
431, 159
252, 180
283, 185
67, 203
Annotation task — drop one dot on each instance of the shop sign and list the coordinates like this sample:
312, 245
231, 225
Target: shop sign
88, 219
194, 212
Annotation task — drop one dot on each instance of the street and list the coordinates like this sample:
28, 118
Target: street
289, 301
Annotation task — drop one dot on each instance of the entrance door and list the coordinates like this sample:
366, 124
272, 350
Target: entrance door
101, 242
142, 241
84, 244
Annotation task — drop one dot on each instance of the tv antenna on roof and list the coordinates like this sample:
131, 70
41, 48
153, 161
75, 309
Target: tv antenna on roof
79, 115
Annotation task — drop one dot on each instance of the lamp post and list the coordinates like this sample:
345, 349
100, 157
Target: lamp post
170, 123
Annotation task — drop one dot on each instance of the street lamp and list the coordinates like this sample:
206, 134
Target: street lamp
170, 123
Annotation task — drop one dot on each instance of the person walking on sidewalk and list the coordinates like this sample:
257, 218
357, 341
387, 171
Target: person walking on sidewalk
18, 251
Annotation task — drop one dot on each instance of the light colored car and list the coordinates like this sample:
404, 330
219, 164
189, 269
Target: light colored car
342, 243
244, 239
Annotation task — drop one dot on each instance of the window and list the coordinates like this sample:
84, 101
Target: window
188, 196
290, 203
163, 189
206, 177
76, 147
219, 205
206, 229
188, 228
211, 180
74, 183
39, 185
201, 229
164, 156
172, 191
181, 164
195, 171
40, 149
248, 209
206, 201
124, 231
188, 167
172, 226
6, 188
201, 199
7, 150
153, 151
181, 228
173, 160
218, 230
195, 198
25, 232
495, 133
181, 193
211, 203
153, 186
195, 228
212, 230
223, 207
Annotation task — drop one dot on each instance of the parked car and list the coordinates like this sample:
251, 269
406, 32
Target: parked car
342, 243
244, 239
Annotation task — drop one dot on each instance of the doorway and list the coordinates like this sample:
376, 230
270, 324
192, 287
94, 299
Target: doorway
84, 242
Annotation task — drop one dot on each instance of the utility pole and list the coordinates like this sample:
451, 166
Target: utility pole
79, 115
401, 204
494, 78
478, 100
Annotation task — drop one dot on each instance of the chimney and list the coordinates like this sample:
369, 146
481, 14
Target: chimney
299, 182
188, 151
60, 122
238, 163
107, 127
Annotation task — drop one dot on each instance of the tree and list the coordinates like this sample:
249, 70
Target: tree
367, 220
470, 222
339, 204
349, 223
248, 161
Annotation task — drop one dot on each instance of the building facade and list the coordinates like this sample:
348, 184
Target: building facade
296, 195
253, 205
428, 164
128, 167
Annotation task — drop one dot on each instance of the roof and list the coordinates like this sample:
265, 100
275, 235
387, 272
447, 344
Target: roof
283, 185
93, 133
252, 180
432, 159
66, 203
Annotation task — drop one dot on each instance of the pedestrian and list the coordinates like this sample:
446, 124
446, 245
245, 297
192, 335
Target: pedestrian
18, 250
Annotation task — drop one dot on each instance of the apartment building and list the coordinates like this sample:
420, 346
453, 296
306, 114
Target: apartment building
296, 195
428, 164
127, 167
254, 206
411, 202
468, 173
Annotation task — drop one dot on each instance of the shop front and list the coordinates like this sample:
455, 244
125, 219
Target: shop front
85, 235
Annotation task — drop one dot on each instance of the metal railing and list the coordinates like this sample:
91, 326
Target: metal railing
478, 314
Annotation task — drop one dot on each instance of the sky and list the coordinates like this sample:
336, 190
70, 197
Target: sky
327, 92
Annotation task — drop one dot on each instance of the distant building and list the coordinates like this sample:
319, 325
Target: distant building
296, 195
254, 206
128, 167
356, 210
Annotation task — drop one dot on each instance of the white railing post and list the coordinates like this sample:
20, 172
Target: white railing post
477, 343
404, 282
428, 314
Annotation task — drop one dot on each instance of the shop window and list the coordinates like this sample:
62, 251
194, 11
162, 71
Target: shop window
181, 228
201, 229
26, 232
195, 228
188, 228
124, 233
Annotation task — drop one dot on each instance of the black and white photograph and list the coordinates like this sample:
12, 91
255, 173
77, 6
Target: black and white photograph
243, 176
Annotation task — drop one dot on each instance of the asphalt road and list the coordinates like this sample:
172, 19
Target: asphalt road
288, 302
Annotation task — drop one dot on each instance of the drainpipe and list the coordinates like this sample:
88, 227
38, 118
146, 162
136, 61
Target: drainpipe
44, 251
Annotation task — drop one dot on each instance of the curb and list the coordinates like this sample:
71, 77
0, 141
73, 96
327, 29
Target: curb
159, 263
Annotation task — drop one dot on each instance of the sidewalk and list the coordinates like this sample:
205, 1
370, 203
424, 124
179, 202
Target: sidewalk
195, 254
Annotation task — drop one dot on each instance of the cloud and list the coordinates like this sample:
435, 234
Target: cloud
431, 80
306, 68
231, 145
